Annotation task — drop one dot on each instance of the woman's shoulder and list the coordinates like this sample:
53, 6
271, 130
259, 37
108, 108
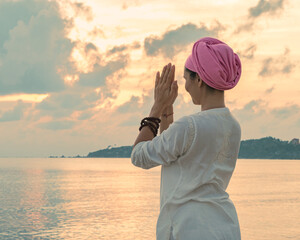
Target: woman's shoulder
185, 118
185, 121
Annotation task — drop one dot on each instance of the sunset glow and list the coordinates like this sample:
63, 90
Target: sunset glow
88, 79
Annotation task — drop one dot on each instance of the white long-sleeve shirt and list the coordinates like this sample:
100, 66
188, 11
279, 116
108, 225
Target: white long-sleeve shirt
197, 154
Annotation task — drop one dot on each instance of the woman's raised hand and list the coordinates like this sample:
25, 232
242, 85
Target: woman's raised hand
166, 89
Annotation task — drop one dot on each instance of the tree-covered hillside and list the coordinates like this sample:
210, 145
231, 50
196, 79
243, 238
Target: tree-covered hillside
269, 148
263, 148
117, 152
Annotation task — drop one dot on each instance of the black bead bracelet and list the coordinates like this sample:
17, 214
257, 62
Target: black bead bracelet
152, 123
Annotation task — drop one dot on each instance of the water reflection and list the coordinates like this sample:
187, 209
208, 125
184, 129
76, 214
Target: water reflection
83, 199
31, 204
32, 199
112, 199
110, 204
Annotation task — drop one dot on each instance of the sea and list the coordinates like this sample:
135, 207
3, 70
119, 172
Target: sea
109, 198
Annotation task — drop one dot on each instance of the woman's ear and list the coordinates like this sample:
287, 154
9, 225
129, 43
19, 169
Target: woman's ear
199, 81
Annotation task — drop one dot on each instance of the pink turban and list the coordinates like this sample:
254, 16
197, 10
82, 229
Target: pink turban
215, 62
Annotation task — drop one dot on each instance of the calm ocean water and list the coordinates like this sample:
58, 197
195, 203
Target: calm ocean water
109, 199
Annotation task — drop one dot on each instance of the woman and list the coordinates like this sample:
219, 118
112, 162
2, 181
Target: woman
198, 152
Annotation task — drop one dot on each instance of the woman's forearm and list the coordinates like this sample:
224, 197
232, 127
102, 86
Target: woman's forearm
166, 121
156, 111
146, 134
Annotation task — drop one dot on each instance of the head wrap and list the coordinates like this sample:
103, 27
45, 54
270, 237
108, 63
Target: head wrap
215, 62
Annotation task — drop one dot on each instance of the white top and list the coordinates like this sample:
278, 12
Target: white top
197, 154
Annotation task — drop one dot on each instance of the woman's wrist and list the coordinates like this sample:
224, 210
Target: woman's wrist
156, 111
161, 112
167, 112
166, 118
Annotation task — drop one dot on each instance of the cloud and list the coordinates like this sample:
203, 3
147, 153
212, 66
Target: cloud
83, 11
90, 46
298, 123
131, 121
135, 45
14, 114
286, 112
59, 105
57, 125
264, 7
35, 57
123, 48
37, 47
117, 49
172, 41
86, 115
251, 110
97, 77
128, 4
266, 68
245, 27
269, 90
97, 32
11, 12
287, 68
258, 120
131, 112
248, 53
129, 106
280, 64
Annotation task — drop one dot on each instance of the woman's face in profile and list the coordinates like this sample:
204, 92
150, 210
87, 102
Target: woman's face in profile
186, 76
191, 86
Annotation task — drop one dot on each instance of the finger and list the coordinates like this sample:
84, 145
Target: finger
166, 73
174, 88
170, 76
174, 91
163, 74
173, 75
157, 79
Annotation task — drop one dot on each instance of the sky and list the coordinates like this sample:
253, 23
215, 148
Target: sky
78, 76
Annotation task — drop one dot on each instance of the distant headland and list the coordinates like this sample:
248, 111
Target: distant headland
263, 148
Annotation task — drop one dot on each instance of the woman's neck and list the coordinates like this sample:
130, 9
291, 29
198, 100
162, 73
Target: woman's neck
213, 101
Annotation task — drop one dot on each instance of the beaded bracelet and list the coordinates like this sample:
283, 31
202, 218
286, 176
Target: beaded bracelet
152, 128
153, 119
152, 122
